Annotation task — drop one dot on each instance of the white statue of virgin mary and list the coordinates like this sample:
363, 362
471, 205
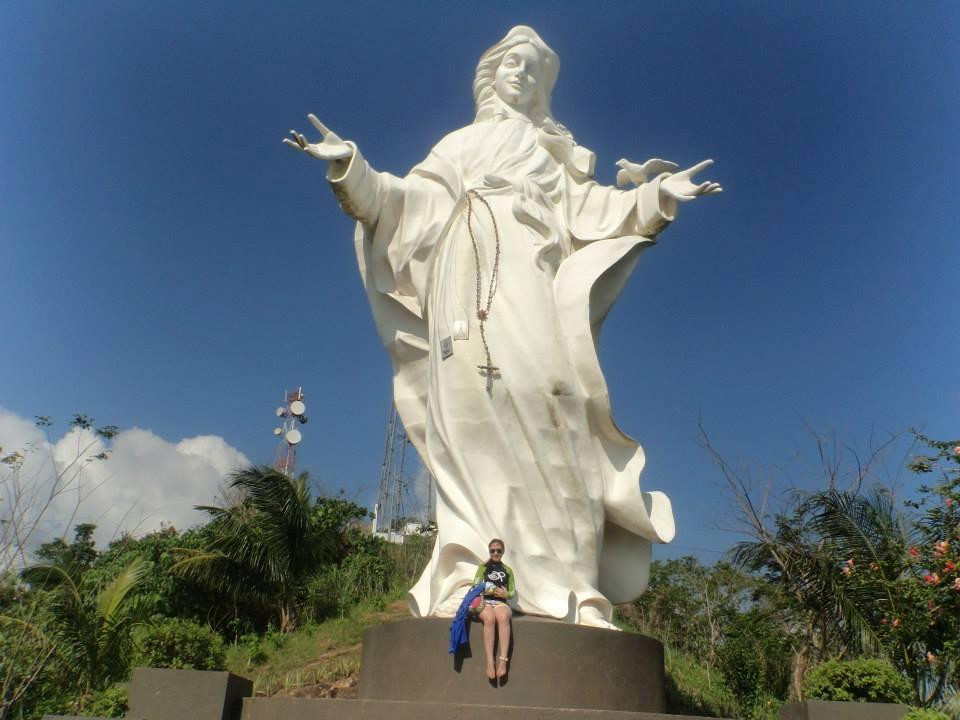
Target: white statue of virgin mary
490, 268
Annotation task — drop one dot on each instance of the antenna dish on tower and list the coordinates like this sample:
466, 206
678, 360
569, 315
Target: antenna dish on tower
291, 415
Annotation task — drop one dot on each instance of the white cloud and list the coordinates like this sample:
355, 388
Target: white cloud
146, 481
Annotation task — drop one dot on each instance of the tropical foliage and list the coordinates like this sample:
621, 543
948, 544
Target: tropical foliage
269, 546
860, 680
179, 643
73, 624
841, 593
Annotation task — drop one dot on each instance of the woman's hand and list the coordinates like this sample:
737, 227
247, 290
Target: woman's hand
680, 187
331, 148
500, 593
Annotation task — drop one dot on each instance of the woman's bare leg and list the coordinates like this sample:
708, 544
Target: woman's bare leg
489, 620
503, 614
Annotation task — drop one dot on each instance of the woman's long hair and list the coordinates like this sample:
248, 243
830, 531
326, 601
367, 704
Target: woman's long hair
485, 95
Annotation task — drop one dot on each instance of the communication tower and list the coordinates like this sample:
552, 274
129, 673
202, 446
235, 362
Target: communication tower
399, 510
291, 415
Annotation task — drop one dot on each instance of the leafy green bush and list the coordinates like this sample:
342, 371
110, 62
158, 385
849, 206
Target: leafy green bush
755, 660
365, 575
182, 644
366, 571
860, 680
922, 714
108, 703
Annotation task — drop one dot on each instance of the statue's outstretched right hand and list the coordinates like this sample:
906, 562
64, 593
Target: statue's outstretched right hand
331, 148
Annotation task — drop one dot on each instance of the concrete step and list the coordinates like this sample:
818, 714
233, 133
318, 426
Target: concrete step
336, 709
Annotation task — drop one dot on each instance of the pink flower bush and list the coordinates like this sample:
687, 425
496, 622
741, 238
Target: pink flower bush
932, 579
956, 584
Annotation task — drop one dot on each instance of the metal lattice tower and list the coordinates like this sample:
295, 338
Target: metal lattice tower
292, 414
398, 503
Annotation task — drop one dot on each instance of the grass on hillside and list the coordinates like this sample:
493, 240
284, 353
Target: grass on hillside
317, 655
692, 690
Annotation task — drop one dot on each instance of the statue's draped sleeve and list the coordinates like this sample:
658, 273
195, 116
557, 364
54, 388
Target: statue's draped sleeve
403, 218
597, 212
400, 221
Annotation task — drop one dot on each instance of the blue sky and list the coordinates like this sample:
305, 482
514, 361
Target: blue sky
170, 265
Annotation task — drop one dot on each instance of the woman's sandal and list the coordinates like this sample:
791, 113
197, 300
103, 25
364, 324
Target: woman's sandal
503, 660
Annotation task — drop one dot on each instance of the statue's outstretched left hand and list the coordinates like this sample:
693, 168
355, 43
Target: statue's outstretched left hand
680, 186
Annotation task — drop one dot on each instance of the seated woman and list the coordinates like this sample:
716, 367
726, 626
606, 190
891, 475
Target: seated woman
500, 583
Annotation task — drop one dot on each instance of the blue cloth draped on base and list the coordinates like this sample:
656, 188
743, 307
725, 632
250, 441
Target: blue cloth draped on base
458, 628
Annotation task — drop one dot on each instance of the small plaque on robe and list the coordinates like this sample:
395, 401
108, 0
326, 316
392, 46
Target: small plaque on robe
446, 347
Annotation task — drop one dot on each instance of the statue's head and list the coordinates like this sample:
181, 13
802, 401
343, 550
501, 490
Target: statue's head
519, 72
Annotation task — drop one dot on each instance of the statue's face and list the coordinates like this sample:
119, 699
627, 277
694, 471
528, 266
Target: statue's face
517, 77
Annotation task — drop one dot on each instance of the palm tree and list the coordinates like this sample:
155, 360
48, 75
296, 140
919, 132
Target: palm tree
864, 533
90, 632
812, 553
267, 546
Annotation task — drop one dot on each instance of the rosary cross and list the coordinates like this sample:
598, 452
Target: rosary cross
490, 371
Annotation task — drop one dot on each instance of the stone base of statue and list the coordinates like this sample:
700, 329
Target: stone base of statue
552, 664
556, 671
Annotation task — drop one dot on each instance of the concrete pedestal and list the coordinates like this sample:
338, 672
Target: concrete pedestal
552, 665
162, 694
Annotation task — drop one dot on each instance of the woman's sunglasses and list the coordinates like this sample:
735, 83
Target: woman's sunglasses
496, 551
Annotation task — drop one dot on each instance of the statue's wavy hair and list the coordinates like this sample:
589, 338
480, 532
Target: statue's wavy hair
484, 93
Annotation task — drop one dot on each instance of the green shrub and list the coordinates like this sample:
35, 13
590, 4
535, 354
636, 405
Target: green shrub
755, 661
178, 643
860, 680
363, 576
109, 703
921, 714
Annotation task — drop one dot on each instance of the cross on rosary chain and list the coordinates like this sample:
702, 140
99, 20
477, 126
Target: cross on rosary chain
483, 309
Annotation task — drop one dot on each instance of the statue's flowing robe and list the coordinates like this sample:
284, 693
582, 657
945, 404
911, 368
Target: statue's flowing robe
532, 455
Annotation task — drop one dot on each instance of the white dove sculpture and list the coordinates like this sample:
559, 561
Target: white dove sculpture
636, 173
